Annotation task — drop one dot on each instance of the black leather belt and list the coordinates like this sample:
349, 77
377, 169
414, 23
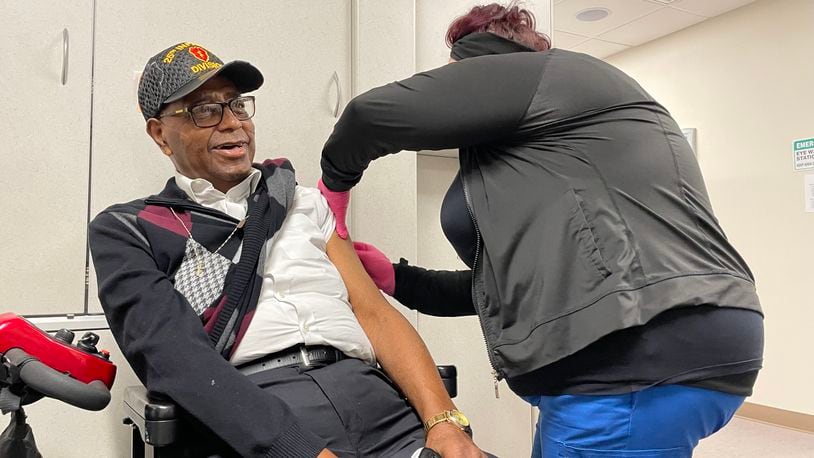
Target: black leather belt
298, 355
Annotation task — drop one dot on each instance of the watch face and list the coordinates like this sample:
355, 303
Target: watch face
459, 418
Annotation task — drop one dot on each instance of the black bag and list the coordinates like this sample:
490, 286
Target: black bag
17, 441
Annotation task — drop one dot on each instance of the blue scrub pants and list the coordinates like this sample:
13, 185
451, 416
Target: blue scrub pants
658, 422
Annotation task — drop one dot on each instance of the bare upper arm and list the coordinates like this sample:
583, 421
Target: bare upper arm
362, 292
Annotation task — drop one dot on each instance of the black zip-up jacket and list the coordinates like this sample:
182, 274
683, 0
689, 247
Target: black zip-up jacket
591, 212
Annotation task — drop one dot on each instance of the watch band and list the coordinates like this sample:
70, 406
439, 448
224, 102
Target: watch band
448, 416
440, 418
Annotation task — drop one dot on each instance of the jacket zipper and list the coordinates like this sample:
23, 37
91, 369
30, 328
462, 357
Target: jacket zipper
496, 374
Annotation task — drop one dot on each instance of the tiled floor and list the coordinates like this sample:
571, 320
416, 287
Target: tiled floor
743, 438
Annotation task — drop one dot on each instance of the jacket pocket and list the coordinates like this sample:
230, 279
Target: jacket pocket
589, 247
557, 268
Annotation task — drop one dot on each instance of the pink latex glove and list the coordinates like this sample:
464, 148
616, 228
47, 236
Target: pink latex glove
377, 266
338, 203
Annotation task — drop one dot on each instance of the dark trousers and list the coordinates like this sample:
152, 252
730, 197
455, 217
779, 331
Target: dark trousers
352, 405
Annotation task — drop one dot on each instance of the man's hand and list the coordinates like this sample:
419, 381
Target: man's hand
338, 203
450, 441
377, 266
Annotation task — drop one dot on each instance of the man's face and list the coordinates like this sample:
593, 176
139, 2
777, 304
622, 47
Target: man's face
221, 154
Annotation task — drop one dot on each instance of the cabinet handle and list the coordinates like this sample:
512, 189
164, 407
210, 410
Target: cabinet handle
335, 79
65, 48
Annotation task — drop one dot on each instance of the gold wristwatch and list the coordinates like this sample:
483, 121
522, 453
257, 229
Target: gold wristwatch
456, 417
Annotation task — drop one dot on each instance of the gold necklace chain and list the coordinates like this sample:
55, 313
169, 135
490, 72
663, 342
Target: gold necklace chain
199, 266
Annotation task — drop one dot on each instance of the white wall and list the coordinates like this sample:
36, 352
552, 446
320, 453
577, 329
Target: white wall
744, 80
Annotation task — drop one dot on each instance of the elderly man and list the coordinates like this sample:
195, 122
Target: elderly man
230, 293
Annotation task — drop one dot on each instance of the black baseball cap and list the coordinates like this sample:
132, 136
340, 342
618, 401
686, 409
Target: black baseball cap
182, 68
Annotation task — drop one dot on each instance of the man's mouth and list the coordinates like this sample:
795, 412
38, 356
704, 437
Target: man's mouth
232, 149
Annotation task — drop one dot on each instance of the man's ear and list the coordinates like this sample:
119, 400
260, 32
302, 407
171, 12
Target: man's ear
155, 129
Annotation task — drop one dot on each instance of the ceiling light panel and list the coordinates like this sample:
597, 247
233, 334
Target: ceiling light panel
621, 12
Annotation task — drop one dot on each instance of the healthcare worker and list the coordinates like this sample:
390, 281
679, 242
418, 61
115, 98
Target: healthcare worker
608, 294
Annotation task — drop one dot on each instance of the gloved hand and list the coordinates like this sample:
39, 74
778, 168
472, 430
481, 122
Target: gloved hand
338, 203
377, 266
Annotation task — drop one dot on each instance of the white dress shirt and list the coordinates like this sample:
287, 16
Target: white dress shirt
303, 298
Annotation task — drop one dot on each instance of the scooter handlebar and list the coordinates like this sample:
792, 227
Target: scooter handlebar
55, 384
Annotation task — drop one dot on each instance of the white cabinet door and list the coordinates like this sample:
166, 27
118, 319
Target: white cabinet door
297, 45
46, 137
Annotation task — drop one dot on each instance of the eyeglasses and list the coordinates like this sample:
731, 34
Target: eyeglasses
211, 113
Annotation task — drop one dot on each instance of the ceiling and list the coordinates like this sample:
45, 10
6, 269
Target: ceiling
630, 22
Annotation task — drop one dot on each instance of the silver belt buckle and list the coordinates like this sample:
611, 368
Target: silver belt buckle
304, 354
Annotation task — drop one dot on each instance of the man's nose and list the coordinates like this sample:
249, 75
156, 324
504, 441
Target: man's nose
229, 120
